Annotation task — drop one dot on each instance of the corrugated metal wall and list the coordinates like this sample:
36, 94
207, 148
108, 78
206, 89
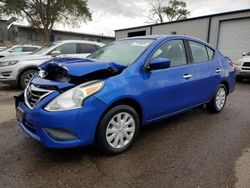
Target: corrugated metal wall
197, 28
194, 27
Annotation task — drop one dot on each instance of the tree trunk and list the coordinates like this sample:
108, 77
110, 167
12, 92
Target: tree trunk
46, 34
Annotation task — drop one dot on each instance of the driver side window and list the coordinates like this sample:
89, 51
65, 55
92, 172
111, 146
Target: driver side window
173, 50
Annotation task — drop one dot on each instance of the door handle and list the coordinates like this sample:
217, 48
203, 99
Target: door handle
218, 70
187, 76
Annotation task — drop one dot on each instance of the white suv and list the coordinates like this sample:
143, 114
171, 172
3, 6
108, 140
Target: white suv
18, 49
243, 67
19, 69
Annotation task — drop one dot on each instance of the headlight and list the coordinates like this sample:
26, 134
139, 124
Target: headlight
74, 97
238, 62
7, 63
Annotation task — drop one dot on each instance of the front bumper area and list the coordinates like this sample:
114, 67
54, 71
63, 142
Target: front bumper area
7, 76
242, 72
79, 123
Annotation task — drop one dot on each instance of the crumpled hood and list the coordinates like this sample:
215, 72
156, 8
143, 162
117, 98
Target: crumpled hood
68, 72
78, 67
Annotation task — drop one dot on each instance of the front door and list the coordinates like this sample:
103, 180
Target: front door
170, 90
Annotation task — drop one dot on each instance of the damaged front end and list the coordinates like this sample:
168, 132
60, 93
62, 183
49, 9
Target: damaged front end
71, 79
77, 71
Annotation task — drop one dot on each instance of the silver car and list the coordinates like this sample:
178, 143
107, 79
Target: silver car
19, 69
18, 49
243, 67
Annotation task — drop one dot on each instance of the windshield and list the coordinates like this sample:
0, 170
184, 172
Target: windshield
44, 48
124, 52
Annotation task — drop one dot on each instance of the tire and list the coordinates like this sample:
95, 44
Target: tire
218, 102
110, 134
25, 76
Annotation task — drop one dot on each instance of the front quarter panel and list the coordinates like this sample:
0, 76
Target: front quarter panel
126, 85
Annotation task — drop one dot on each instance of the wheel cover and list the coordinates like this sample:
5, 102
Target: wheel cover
120, 130
28, 77
220, 98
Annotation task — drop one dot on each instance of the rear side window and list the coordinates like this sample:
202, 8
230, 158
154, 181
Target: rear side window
199, 52
85, 48
29, 49
210, 53
69, 48
173, 50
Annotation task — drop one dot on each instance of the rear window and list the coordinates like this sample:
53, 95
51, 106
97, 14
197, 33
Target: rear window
199, 52
85, 48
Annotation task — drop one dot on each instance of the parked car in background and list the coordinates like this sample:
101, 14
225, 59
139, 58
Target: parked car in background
127, 84
2, 48
18, 49
242, 67
18, 70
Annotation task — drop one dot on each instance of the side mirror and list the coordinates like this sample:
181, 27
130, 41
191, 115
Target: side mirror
10, 51
244, 54
159, 63
55, 53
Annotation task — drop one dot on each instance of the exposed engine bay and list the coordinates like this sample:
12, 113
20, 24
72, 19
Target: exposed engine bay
77, 71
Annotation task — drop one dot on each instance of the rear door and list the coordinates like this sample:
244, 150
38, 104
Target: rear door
207, 70
172, 89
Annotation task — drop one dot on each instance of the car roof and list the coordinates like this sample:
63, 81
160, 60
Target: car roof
79, 41
26, 45
164, 37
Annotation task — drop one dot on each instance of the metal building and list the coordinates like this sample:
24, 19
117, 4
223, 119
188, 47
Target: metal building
228, 31
24, 34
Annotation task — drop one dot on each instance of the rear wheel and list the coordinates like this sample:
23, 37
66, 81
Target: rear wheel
26, 77
218, 102
117, 129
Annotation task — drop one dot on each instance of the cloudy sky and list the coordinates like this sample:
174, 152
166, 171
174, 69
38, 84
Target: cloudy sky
109, 15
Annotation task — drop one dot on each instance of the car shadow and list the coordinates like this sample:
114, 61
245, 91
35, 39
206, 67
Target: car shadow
5, 87
75, 154
244, 81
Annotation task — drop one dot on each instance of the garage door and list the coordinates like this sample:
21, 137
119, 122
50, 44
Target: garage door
234, 37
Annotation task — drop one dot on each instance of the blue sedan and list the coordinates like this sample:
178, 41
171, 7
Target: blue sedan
107, 97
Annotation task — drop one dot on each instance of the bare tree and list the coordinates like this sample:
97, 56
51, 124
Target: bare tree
172, 10
156, 11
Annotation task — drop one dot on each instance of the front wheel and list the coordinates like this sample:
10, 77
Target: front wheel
117, 130
218, 102
26, 77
